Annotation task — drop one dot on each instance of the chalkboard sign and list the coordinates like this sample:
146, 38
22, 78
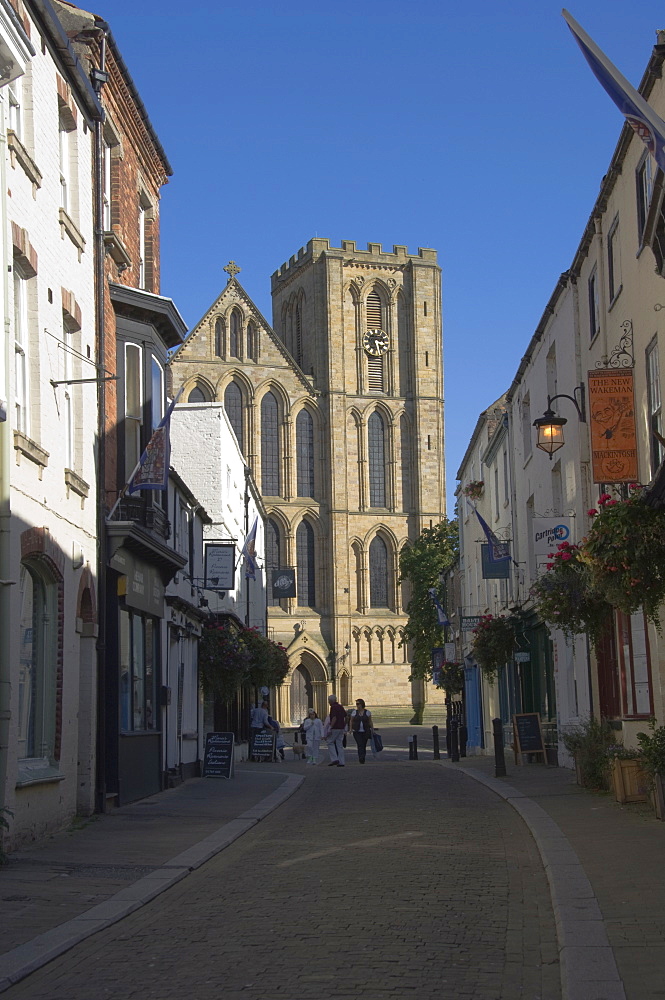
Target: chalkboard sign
528, 734
263, 747
218, 758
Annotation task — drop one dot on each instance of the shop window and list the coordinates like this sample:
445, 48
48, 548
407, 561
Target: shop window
138, 639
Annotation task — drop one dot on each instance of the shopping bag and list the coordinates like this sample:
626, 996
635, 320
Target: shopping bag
377, 742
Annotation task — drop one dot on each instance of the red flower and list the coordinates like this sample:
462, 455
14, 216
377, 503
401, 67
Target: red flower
563, 545
549, 565
566, 555
592, 512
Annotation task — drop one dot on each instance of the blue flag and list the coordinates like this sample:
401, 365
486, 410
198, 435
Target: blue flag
640, 116
442, 617
498, 551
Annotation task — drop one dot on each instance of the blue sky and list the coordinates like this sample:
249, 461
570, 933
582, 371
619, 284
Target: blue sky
477, 129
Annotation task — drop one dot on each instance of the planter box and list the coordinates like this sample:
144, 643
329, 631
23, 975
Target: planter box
629, 781
658, 797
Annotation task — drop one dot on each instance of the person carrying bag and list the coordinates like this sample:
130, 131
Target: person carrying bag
361, 727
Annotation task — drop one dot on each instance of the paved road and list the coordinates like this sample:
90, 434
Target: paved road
390, 880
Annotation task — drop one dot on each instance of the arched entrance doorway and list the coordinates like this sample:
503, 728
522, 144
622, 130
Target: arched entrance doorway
302, 695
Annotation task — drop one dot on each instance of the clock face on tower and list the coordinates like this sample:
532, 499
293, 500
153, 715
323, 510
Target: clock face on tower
375, 341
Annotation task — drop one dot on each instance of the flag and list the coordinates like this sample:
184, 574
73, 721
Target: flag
152, 472
249, 552
640, 116
441, 615
497, 551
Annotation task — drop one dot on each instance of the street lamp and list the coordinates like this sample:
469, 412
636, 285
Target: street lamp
550, 426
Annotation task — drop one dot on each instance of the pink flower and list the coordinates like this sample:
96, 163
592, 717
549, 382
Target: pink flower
564, 545
566, 555
611, 503
549, 565
592, 512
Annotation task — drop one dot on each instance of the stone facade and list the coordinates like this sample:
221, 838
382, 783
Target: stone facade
339, 412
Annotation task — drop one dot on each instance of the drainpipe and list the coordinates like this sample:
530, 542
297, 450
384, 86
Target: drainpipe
98, 79
5, 506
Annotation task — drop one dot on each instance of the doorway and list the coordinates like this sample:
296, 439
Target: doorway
301, 694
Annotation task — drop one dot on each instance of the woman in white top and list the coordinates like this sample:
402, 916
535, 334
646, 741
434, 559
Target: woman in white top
314, 734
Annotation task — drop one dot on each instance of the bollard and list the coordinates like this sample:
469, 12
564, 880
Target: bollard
454, 738
410, 747
499, 756
435, 742
415, 747
463, 737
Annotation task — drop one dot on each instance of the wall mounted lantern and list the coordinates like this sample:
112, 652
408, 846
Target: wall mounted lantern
550, 426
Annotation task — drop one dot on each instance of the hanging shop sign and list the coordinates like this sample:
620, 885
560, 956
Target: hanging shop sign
283, 583
493, 570
469, 622
220, 562
547, 533
612, 425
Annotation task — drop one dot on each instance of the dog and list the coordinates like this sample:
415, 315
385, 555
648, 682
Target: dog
298, 750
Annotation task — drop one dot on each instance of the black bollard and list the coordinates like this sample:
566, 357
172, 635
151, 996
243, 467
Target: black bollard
435, 742
463, 737
415, 747
454, 738
410, 747
499, 756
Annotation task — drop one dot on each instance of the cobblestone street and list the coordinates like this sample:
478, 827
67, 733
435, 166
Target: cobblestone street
385, 881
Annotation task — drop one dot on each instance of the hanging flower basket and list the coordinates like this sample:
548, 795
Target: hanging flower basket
625, 549
231, 656
452, 677
474, 489
493, 643
565, 596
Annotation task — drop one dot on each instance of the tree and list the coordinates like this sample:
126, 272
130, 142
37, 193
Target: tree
422, 564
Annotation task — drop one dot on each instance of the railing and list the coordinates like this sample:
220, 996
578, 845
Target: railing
149, 516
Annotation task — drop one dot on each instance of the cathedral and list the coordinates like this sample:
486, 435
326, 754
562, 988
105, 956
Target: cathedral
338, 410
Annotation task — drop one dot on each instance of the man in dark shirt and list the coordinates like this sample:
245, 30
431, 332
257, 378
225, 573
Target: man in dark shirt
335, 735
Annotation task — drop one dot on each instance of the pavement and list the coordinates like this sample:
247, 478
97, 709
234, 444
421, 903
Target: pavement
565, 899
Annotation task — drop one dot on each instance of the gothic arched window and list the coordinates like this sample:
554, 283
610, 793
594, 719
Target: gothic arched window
298, 337
305, 453
233, 407
374, 311
376, 436
252, 342
234, 337
407, 471
273, 560
197, 395
305, 573
378, 573
270, 480
219, 338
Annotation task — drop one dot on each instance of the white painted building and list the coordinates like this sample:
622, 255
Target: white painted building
48, 614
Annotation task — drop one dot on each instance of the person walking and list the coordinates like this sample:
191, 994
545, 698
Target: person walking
279, 739
336, 727
313, 728
361, 727
258, 721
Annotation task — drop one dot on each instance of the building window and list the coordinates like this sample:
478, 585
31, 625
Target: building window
65, 167
219, 338
635, 664
133, 407
644, 182
142, 245
305, 453
157, 394
594, 305
377, 460
527, 429
273, 560
68, 400
374, 311
270, 479
252, 342
106, 184
654, 405
378, 573
197, 395
614, 261
21, 352
15, 96
233, 407
138, 638
234, 337
306, 570
38, 663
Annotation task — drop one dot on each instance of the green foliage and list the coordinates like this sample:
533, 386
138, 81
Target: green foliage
432, 553
652, 750
231, 657
589, 744
566, 598
452, 678
626, 552
493, 643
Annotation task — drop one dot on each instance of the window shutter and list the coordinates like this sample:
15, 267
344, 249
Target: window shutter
375, 373
373, 312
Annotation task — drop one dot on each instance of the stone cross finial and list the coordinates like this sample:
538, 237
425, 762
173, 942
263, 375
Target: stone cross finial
232, 269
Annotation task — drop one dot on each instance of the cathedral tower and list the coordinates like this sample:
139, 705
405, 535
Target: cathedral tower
339, 411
